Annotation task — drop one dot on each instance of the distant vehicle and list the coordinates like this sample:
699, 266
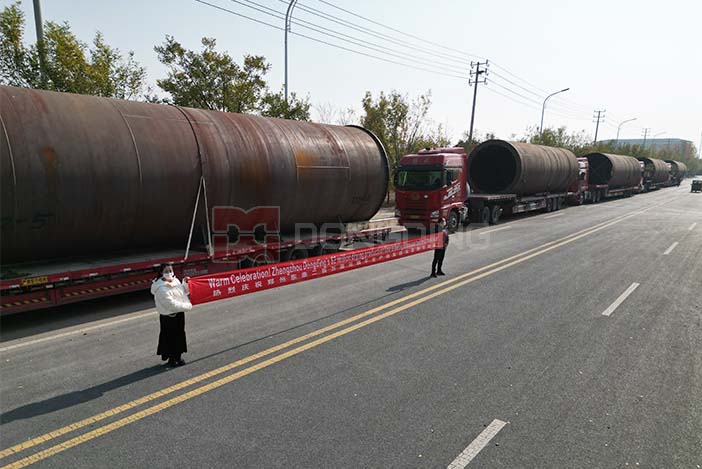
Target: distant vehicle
696, 185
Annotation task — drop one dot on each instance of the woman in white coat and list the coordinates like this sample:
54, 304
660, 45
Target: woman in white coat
172, 301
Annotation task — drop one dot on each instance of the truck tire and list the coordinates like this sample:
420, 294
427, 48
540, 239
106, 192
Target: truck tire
549, 205
485, 215
452, 222
495, 214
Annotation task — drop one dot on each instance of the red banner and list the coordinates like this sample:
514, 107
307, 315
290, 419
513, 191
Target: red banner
213, 287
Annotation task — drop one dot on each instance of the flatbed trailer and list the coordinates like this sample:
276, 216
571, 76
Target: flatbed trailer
488, 208
31, 286
597, 192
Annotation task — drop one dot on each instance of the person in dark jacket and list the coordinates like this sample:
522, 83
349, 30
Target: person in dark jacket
439, 254
172, 301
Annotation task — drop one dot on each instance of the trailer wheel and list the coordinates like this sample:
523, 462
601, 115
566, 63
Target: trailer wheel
495, 214
485, 215
549, 205
452, 221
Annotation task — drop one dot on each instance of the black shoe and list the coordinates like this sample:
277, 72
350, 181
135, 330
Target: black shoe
172, 362
180, 362
433, 275
440, 273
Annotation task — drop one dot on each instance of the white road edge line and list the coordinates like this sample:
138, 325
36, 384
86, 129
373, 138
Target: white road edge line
670, 249
554, 216
463, 459
79, 330
495, 229
692, 227
621, 299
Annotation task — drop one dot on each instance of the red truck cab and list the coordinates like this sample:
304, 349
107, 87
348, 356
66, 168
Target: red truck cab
431, 184
578, 191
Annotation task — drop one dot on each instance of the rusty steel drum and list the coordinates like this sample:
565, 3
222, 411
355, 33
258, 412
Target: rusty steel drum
86, 175
616, 171
655, 170
501, 167
679, 169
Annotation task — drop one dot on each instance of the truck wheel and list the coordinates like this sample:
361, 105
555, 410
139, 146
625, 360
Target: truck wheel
452, 224
485, 215
549, 205
495, 214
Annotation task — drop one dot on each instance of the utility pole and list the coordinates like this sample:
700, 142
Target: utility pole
288, 19
39, 24
475, 80
599, 118
646, 131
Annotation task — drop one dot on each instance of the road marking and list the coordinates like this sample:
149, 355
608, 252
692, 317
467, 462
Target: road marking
76, 331
534, 252
670, 249
620, 300
554, 216
692, 227
480, 442
495, 229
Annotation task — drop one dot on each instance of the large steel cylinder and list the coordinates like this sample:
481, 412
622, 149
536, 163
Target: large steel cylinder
655, 170
616, 171
86, 175
500, 167
679, 169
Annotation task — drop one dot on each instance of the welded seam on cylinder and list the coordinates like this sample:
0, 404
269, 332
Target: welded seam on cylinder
140, 208
14, 173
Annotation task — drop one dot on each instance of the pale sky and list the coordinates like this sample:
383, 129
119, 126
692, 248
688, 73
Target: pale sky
634, 58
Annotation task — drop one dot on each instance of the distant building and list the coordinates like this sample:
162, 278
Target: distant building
656, 143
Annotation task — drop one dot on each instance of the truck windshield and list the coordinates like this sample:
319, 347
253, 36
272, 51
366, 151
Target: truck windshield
418, 180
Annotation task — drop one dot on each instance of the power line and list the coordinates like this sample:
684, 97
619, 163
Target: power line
340, 36
402, 32
379, 35
321, 41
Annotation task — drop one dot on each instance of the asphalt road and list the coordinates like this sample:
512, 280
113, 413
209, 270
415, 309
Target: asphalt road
508, 361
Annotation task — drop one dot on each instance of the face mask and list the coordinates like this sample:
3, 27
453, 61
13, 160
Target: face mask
168, 276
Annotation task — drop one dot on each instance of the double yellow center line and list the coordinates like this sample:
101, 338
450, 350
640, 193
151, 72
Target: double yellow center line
406, 302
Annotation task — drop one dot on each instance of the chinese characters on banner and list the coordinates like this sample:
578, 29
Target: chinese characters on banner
222, 285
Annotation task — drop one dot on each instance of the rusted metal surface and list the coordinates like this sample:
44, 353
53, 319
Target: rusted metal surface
617, 171
655, 170
82, 174
679, 168
501, 167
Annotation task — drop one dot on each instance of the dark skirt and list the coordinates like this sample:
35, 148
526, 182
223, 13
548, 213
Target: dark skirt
171, 339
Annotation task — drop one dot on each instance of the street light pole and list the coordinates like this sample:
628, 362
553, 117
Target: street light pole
543, 109
619, 127
291, 6
39, 24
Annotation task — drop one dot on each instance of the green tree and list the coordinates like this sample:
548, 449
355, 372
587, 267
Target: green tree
209, 79
71, 65
274, 105
399, 123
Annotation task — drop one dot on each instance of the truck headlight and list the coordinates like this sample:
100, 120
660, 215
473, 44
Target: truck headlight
434, 214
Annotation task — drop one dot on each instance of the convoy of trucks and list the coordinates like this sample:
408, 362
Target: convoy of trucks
98, 192
503, 178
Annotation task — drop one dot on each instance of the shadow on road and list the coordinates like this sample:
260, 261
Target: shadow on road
77, 397
405, 286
